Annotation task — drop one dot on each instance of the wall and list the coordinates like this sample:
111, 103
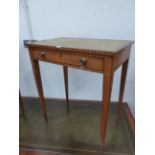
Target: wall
43, 19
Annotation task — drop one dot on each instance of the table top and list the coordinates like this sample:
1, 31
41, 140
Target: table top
99, 45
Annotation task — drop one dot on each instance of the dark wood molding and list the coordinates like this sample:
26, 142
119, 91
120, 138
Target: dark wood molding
21, 105
63, 100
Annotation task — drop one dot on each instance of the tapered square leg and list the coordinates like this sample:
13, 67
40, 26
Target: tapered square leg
36, 72
122, 87
107, 87
65, 71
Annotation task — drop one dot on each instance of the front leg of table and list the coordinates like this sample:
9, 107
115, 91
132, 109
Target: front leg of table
36, 72
65, 71
122, 87
107, 87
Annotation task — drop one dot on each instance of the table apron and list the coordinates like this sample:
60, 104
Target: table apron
84, 62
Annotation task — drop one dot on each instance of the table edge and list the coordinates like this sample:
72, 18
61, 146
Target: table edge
88, 51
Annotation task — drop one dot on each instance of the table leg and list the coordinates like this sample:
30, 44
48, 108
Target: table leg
21, 103
36, 72
107, 88
122, 86
65, 71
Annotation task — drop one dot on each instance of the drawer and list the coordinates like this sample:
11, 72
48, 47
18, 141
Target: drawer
75, 60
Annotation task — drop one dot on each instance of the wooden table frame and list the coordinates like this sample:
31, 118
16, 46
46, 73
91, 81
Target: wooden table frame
111, 61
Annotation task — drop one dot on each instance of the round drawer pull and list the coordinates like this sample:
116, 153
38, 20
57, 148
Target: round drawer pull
83, 61
42, 54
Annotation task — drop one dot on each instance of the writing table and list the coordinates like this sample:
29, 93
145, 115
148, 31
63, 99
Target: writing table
97, 55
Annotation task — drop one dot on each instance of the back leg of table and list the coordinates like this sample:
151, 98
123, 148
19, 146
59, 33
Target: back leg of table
65, 71
122, 87
36, 71
21, 105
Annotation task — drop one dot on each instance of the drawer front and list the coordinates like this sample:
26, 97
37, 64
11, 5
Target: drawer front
83, 62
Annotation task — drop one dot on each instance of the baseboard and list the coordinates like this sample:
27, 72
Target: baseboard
62, 100
129, 116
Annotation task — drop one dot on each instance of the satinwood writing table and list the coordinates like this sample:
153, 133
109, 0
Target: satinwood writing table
97, 55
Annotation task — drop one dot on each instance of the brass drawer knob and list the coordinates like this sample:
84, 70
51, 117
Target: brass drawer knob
42, 54
83, 61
